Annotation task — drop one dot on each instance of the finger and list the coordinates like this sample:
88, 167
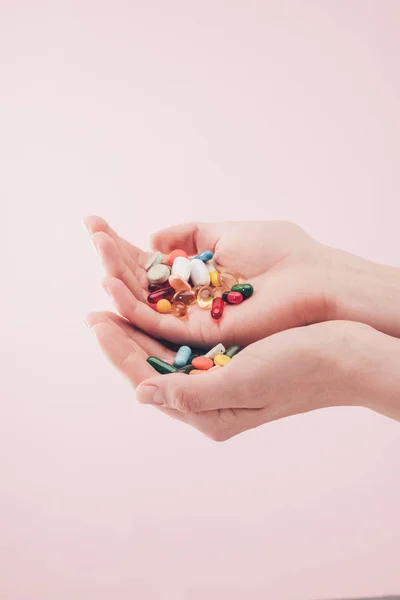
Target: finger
190, 237
141, 314
132, 254
148, 345
232, 386
115, 265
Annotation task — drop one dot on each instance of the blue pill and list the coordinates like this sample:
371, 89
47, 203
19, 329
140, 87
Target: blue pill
205, 256
182, 357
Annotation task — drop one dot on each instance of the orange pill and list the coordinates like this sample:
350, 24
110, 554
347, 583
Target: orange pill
174, 254
202, 363
196, 372
178, 283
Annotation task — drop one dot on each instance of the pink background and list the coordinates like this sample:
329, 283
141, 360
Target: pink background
151, 113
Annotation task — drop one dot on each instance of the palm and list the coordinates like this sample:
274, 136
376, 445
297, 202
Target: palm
259, 252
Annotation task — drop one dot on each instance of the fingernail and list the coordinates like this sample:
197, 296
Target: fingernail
151, 394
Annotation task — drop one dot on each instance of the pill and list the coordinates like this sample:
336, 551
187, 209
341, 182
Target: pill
181, 267
163, 306
182, 356
186, 369
161, 366
179, 309
218, 349
214, 278
246, 289
174, 254
218, 292
221, 360
234, 297
204, 297
202, 363
217, 308
198, 272
232, 351
213, 368
185, 296
153, 287
196, 372
154, 259
227, 280
205, 256
178, 283
163, 293
210, 267
158, 273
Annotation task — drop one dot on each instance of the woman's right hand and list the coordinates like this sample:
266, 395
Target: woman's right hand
297, 281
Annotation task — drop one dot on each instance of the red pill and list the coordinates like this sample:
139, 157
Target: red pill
217, 308
164, 293
153, 287
174, 254
234, 297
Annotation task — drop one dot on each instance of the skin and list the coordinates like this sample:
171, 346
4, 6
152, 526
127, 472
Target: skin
297, 282
302, 319
330, 364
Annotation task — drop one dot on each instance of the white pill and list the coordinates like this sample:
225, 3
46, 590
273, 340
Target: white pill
198, 272
181, 267
210, 267
158, 273
218, 349
155, 259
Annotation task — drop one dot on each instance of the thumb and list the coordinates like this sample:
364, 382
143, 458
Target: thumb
226, 387
190, 237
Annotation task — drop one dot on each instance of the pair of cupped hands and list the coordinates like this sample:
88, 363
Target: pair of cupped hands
319, 329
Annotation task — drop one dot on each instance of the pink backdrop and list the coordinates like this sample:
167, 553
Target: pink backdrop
151, 113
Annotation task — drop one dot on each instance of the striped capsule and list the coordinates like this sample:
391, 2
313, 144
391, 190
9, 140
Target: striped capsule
163, 293
246, 289
182, 357
217, 308
232, 351
205, 256
161, 366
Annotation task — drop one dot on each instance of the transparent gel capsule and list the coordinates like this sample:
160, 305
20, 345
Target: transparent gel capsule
227, 280
160, 294
218, 292
205, 297
179, 309
185, 296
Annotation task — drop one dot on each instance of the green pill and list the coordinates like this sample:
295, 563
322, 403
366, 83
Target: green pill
161, 366
186, 369
232, 351
246, 289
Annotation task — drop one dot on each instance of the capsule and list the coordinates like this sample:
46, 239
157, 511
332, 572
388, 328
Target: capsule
154, 259
161, 366
174, 254
217, 308
198, 272
246, 289
218, 292
234, 298
221, 360
179, 309
178, 283
181, 267
158, 273
182, 357
205, 256
204, 297
163, 306
232, 351
166, 293
185, 296
186, 370
218, 349
202, 363
227, 280
153, 287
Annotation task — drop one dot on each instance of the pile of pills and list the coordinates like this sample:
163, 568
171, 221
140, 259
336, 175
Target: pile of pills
177, 281
187, 362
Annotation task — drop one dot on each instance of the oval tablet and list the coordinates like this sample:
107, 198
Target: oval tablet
202, 363
181, 267
158, 273
174, 254
221, 360
198, 272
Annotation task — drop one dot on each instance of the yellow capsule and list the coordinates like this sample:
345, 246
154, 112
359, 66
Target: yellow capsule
204, 297
227, 280
214, 278
179, 309
163, 306
221, 360
218, 291
185, 296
